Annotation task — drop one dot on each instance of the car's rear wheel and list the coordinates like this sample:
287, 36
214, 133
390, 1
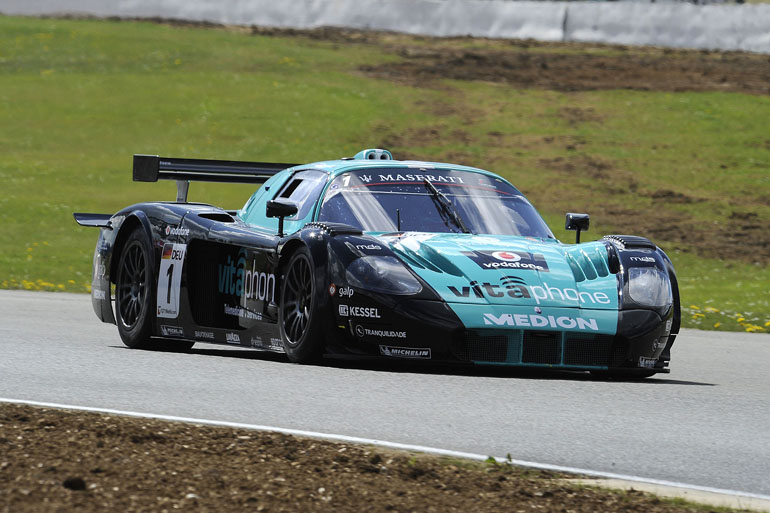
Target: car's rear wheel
298, 317
134, 299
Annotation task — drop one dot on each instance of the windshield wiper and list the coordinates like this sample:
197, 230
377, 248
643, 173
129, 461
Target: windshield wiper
445, 205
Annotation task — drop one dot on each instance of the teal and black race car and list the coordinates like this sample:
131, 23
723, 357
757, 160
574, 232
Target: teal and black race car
375, 257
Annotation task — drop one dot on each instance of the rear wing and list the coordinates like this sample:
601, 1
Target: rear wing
151, 168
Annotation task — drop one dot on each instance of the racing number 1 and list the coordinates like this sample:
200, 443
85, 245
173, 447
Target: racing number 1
168, 277
170, 280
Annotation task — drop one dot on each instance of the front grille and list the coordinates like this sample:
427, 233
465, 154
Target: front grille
491, 347
541, 347
587, 349
532, 347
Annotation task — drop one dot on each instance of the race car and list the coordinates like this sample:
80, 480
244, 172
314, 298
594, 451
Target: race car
373, 257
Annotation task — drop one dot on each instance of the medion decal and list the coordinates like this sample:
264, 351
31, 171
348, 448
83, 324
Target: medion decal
508, 260
405, 352
236, 279
515, 287
541, 321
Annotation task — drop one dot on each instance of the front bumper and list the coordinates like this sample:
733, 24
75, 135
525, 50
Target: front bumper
603, 340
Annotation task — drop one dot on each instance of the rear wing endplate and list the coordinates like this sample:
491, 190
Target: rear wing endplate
151, 168
94, 220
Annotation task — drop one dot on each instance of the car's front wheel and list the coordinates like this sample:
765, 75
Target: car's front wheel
298, 317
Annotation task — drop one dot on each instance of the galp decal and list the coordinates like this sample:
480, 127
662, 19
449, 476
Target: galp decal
508, 260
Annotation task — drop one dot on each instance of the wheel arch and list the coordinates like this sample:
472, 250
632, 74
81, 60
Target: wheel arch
130, 223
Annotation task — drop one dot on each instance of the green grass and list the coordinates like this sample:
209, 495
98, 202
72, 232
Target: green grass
78, 98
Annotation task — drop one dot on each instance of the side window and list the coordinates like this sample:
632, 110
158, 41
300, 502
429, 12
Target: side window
303, 189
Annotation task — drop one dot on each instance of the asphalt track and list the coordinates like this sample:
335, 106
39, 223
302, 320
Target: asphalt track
706, 424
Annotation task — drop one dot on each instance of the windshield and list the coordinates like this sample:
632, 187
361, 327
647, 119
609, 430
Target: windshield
398, 199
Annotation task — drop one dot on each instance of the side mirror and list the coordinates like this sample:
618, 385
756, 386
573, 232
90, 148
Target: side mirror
577, 222
280, 208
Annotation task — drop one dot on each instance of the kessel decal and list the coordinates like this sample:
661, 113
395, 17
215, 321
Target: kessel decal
169, 280
508, 260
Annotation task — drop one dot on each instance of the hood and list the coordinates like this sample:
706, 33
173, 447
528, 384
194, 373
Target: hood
509, 270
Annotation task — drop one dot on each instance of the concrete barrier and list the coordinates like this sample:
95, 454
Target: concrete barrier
724, 27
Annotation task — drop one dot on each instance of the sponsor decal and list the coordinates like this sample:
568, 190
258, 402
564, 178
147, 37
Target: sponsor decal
656, 344
642, 259
99, 294
668, 324
182, 232
232, 338
237, 311
361, 331
256, 341
508, 260
647, 363
332, 289
236, 278
515, 287
170, 280
405, 352
371, 247
99, 271
542, 321
346, 292
414, 178
359, 311
207, 335
171, 331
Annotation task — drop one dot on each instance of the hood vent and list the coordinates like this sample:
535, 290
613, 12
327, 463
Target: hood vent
588, 263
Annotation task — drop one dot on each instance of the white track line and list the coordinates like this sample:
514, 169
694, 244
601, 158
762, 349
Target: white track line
393, 445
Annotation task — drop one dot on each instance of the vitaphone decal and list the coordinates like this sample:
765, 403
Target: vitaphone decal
508, 260
517, 288
241, 278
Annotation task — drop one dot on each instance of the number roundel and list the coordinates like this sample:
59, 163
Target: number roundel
170, 280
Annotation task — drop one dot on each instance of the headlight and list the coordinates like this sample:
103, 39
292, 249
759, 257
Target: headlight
384, 274
649, 286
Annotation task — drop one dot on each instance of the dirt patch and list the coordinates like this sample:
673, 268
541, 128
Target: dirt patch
537, 64
561, 68
658, 218
54, 460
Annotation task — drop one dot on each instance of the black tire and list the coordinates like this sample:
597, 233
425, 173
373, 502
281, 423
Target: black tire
135, 298
298, 318
134, 301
